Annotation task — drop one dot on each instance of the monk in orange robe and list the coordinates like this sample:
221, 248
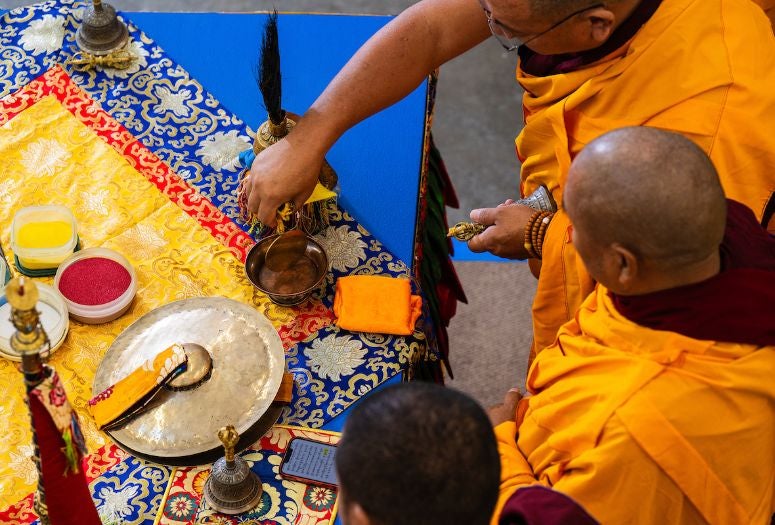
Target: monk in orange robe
704, 68
655, 403
682, 65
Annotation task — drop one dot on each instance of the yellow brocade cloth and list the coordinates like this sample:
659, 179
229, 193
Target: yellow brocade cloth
47, 156
644, 426
378, 304
118, 399
704, 68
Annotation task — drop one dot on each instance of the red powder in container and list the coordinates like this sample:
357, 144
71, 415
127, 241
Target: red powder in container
94, 281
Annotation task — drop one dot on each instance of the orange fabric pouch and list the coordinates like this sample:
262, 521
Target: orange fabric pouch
116, 400
378, 304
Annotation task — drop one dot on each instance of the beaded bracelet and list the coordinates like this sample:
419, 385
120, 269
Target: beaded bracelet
528, 234
538, 245
535, 228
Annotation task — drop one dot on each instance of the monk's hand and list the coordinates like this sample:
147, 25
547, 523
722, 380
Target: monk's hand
505, 235
284, 172
506, 411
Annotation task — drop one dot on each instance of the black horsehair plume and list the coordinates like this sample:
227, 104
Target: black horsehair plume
268, 71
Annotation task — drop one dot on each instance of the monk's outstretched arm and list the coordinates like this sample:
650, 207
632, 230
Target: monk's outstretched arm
386, 69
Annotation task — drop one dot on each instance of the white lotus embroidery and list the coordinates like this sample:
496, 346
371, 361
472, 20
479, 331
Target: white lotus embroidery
333, 357
116, 503
44, 157
143, 241
174, 101
44, 35
221, 150
94, 201
344, 247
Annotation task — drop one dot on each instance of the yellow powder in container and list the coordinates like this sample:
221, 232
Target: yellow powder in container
44, 234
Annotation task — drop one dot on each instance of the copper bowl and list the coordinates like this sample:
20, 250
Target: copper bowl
289, 286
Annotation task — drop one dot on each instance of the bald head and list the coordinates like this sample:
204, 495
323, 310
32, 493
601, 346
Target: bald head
652, 191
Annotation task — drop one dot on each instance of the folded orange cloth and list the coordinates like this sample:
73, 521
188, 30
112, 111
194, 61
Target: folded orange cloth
375, 303
116, 400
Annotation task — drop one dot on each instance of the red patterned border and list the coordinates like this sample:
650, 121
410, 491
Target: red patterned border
96, 464
307, 322
19, 513
55, 82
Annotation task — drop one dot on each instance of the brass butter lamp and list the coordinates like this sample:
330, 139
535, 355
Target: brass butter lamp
30, 340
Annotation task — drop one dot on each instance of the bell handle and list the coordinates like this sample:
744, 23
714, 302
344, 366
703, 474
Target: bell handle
229, 437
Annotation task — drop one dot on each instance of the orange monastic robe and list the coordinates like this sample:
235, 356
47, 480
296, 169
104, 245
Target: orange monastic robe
705, 68
645, 426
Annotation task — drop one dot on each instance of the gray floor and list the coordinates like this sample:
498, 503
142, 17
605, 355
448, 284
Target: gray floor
478, 114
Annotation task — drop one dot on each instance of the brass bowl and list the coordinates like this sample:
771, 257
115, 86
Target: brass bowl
289, 286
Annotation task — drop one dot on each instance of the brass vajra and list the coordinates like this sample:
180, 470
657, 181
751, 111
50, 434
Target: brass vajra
465, 231
120, 59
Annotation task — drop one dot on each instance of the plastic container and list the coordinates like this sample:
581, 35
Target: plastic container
53, 317
91, 279
49, 252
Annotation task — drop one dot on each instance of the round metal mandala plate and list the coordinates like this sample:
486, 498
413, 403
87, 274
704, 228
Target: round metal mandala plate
181, 428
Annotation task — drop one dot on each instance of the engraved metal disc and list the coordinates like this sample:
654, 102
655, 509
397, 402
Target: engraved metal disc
248, 363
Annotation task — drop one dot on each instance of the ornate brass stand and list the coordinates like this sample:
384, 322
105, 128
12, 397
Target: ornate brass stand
29, 340
232, 487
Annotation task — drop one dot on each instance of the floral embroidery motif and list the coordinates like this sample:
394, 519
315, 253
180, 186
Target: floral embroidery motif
344, 247
172, 101
144, 241
181, 507
102, 396
94, 201
221, 150
199, 481
44, 35
44, 157
56, 395
116, 504
319, 498
333, 357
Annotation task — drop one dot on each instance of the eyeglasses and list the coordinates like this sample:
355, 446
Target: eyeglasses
510, 43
